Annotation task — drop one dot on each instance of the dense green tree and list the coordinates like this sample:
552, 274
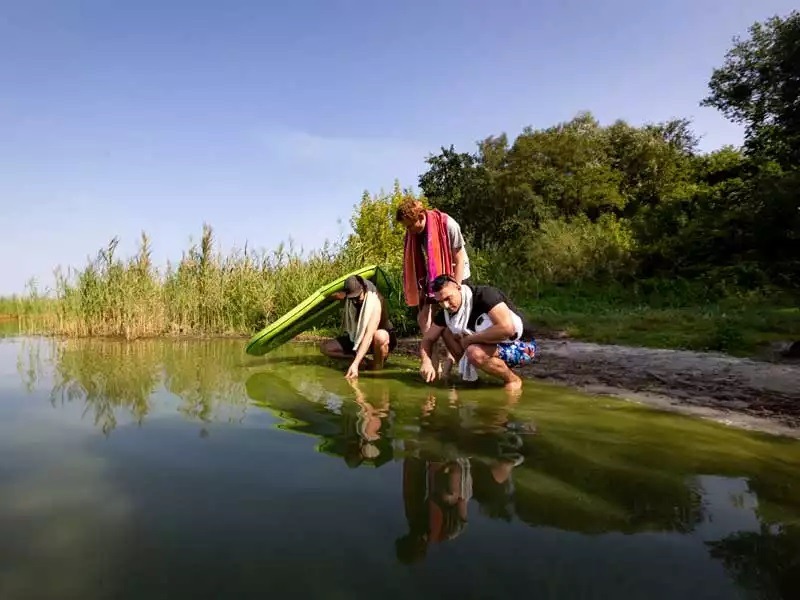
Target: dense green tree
458, 184
759, 85
580, 200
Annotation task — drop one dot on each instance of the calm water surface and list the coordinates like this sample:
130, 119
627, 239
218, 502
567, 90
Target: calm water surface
187, 470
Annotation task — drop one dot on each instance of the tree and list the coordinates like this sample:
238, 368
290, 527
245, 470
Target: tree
759, 86
459, 184
377, 237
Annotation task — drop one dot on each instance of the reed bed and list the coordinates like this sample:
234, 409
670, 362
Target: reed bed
205, 293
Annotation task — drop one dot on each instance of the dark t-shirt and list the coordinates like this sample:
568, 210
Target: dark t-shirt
484, 299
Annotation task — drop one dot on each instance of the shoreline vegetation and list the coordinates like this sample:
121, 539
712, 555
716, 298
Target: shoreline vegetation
609, 233
209, 294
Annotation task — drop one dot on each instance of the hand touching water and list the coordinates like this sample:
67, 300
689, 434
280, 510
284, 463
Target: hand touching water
427, 371
352, 372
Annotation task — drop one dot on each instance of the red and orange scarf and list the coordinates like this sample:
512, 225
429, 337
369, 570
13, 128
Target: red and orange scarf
418, 274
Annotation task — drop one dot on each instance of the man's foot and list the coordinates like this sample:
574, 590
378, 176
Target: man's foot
514, 384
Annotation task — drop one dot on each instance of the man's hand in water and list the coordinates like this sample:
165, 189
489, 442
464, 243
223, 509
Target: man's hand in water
427, 371
352, 372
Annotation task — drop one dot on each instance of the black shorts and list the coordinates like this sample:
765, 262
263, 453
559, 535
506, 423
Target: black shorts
431, 300
349, 348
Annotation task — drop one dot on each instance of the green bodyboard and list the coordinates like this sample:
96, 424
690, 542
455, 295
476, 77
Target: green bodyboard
311, 311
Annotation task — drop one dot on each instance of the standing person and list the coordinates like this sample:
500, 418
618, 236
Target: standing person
366, 324
433, 245
482, 329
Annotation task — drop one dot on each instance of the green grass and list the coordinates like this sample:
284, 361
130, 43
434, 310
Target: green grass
741, 325
208, 293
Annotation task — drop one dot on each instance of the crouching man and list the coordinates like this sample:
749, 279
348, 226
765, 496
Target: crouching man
482, 329
366, 324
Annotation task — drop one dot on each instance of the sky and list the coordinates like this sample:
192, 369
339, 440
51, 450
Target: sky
268, 120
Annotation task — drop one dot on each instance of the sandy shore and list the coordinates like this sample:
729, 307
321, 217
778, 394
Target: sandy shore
750, 394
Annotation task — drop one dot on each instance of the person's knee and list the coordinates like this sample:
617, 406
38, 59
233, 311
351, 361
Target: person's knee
476, 355
424, 317
330, 347
381, 339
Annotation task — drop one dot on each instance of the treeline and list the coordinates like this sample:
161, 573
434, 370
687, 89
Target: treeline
631, 209
584, 202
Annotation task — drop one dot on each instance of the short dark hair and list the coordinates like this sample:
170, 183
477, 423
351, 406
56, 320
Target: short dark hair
441, 281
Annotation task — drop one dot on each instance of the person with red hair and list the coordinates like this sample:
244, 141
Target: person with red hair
433, 246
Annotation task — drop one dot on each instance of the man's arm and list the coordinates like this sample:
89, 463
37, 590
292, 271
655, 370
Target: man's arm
502, 327
428, 340
366, 341
457, 246
461, 259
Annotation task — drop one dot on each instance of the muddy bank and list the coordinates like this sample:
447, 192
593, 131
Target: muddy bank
741, 392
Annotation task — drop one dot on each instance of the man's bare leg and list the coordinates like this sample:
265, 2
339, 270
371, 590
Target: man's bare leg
380, 348
333, 349
424, 320
424, 317
453, 346
484, 357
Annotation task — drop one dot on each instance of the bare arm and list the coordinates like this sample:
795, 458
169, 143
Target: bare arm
502, 326
428, 340
366, 341
461, 259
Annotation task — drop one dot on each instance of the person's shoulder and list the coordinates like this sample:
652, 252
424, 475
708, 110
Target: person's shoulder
450, 221
482, 288
488, 294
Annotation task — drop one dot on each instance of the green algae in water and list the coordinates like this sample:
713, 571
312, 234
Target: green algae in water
217, 471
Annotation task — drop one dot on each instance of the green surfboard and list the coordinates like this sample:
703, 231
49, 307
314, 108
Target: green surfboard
311, 311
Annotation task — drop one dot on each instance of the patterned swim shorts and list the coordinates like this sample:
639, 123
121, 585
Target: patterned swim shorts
516, 354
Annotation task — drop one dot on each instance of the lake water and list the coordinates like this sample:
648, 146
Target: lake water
185, 469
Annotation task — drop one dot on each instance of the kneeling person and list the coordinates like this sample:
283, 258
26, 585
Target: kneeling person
366, 324
482, 329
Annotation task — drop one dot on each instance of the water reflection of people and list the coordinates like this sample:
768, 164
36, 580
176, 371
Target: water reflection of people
369, 422
435, 496
447, 467
355, 431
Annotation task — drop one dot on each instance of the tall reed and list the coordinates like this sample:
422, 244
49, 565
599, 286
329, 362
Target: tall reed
205, 293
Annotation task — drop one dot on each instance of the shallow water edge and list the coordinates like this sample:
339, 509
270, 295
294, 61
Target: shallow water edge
738, 392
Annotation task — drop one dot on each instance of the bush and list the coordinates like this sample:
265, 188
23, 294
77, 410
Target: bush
562, 252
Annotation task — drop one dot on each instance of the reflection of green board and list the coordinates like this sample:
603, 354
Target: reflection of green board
311, 311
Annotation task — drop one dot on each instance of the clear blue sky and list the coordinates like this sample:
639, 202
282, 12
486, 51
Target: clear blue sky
117, 117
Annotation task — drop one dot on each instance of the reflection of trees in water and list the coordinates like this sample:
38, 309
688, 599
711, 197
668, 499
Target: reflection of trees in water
582, 478
587, 487
583, 471
109, 376
766, 562
597, 490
